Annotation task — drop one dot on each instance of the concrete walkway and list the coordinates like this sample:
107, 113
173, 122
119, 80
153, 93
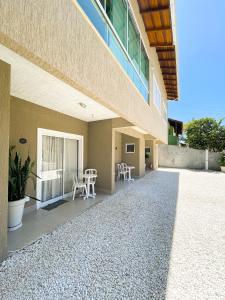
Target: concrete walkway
161, 237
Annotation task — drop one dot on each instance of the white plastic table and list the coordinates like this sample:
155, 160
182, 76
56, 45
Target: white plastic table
129, 168
89, 177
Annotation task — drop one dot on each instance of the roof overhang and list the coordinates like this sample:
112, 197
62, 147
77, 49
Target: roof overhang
159, 20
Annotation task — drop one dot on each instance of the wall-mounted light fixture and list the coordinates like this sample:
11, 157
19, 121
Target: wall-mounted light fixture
22, 141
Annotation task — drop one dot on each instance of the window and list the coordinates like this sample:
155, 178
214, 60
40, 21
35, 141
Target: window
156, 94
102, 3
130, 148
133, 42
144, 63
116, 24
117, 13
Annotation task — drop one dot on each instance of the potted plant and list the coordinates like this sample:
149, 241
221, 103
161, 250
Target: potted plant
19, 173
221, 162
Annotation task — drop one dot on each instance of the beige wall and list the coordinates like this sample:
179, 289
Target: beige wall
4, 152
136, 159
118, 147
43, 31
104, 138
100, 153
27, 117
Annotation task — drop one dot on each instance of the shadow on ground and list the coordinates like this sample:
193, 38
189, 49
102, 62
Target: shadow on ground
164, 189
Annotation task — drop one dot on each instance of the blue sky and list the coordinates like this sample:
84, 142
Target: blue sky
201, 46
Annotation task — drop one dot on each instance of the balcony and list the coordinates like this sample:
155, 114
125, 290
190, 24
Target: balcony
105, 28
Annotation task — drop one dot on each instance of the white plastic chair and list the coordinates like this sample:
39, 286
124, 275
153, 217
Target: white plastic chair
92, 180
124, 165
80, 186
122, 171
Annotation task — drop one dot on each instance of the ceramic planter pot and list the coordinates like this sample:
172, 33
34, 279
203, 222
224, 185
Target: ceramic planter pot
222, 168
15, 213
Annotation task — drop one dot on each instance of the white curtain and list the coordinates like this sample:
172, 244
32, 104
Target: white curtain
58, 168
52, 167
70, 163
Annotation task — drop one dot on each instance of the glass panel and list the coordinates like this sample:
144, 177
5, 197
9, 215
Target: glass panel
52, 167
118, 18
70, 164
92, 12
130, 148
102, 3
133, 42
144, 63
156, 93
117, 50
117, 13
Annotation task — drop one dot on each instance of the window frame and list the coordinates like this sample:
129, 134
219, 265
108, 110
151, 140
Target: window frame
129, 144
156, 87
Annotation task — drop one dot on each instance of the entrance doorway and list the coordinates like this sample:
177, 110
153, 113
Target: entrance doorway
59, 158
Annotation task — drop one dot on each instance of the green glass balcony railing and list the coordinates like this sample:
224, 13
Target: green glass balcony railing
110, 37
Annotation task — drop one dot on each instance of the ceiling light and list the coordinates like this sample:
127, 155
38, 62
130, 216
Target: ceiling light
83, 105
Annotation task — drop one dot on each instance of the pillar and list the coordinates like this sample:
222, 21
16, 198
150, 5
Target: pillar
101, 154
4, 152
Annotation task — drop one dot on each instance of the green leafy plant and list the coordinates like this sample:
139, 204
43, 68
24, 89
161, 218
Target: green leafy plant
19, 173
221, 160
206, 133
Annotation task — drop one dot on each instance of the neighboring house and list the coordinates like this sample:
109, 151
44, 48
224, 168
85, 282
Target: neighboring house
174, 131
82, 82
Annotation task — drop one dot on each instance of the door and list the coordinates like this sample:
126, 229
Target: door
59, 159
52, 168
70, 164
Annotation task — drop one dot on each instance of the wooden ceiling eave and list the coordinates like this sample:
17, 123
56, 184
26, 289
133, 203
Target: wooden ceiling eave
158, 25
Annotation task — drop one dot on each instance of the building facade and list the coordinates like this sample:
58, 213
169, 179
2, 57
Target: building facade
79, 81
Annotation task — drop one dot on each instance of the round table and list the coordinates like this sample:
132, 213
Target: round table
89, 177
129, 168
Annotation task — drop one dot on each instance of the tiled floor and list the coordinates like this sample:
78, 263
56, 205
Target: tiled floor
39, 222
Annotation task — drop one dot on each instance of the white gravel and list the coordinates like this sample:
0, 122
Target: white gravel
162, 237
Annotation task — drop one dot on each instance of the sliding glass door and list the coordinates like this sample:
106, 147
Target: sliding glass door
59, 159
71, 148
52, 167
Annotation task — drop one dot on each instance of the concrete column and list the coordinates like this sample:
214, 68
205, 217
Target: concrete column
101, 153
4, 151
206, 159
155, 159
154, 152
141, 156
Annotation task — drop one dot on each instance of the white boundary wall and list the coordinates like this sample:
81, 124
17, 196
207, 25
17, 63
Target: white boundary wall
187, 158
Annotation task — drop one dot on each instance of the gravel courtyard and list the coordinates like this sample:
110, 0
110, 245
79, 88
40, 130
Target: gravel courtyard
161, 237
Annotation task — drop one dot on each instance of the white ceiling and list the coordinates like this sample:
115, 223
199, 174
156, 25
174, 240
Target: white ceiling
35, 85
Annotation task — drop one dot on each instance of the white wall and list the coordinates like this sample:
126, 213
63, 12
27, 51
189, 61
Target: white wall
187, 158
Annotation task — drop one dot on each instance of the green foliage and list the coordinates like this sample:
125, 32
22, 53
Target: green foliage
221, 160
19, 173
205, 133
147, 155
